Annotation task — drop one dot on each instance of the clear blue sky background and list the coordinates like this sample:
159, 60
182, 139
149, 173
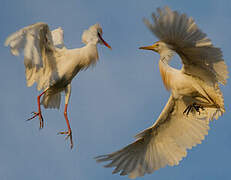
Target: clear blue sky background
110, 103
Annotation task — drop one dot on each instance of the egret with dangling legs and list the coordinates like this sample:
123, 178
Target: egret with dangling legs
51, 65
195, 97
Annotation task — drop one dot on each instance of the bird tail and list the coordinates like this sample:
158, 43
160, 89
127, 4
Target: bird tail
51, 100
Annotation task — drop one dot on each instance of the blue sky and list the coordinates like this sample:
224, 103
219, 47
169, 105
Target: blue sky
110, 103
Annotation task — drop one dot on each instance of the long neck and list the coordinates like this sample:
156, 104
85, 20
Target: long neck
91, 53
166, 71
87, 55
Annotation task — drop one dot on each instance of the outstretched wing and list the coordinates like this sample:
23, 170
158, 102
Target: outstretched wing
164, 143
57, 37
35, 41
200, 58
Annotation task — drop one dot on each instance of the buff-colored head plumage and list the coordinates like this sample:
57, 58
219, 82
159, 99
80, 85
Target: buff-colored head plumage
91, 34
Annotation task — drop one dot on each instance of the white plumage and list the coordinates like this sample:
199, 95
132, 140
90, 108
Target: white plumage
57, 37
195, 98
50, 64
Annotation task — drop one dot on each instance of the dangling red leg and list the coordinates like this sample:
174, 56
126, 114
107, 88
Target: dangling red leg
39, 113
67, 97
69, 132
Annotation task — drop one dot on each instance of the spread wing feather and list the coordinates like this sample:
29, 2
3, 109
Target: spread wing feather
164, 143
200, 58
57, 37
35, 41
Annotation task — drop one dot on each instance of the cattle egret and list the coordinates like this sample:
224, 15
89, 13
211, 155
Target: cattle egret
195, 98
51, 65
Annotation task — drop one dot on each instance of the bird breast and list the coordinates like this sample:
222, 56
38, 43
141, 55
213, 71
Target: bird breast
176, 81
183, 85
74, 60
68, 70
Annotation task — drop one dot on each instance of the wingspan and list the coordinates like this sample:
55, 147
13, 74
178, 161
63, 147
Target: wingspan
165, 143
200, 58
57, 37
35, 41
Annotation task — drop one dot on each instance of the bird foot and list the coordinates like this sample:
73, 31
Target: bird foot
69, 135
193, 106
39, 114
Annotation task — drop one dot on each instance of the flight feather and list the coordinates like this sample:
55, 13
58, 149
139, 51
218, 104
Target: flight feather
36, 43
164, 143
200, 58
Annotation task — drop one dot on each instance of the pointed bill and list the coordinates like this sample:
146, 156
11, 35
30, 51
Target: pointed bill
104, 42
147, 47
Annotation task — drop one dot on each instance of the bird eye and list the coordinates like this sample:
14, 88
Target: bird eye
157, 45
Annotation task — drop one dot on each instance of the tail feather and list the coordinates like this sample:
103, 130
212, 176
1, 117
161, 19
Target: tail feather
51, 100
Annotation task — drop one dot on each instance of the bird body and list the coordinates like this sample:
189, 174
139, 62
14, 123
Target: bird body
50, 64
195, 97
185, 85
69, 63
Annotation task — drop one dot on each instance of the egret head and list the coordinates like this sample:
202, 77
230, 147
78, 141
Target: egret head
158, 47
94, 34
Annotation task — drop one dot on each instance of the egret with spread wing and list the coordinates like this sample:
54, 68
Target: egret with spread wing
51, 65
195, 98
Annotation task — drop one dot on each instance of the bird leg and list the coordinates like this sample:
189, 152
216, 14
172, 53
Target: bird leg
39, 113
69, 132
195, 106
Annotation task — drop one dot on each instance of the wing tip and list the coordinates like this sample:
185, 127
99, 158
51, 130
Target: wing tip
102, 158
6, 43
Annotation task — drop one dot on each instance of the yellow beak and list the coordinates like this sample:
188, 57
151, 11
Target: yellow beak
152, 47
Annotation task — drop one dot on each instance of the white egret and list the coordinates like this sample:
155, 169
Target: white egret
51, 65
195, 98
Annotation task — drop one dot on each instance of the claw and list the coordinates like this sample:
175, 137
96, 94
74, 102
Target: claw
195, 106
69, 135
39, 114
187, 110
